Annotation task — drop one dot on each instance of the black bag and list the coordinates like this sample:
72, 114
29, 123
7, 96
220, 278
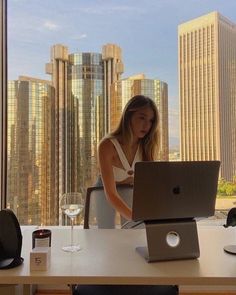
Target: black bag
10, 240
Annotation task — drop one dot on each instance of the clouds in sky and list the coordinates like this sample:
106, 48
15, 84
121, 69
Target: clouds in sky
50, 25
145, 30
108, 9
81, 36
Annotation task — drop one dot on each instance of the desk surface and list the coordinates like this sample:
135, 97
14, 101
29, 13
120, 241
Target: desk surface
109, 257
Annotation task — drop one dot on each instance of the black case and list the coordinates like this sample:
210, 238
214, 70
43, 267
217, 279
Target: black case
10, 240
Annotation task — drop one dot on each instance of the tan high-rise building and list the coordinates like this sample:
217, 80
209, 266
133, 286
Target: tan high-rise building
57, 68
207, 90
31, 151
123, 90
82, 90
78, 79
85, 90
113, 69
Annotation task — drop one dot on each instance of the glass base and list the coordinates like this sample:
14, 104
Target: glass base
73, 248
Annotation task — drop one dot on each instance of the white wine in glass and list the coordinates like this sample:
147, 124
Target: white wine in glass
72, 205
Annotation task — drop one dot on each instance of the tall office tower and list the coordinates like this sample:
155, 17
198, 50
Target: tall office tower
85, 90
31, 151
82, 86
57, 68
113, 69
207, 91
123, 90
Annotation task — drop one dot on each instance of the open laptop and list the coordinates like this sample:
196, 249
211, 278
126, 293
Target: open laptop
168, 196
174, 190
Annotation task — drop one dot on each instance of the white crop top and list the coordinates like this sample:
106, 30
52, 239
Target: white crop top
121, 174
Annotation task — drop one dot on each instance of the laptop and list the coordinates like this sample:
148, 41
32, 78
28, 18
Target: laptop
168, 196
174, 190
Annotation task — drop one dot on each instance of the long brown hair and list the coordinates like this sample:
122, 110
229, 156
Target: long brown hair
150, 142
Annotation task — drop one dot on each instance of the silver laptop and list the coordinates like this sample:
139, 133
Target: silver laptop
167, 197
174, 190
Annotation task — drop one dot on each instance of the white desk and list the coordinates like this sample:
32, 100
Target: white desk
109, 257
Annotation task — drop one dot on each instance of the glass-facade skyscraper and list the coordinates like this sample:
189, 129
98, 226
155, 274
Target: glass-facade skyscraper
85, 92
82, 93
31, 153
113, 69
58, 68
207, 91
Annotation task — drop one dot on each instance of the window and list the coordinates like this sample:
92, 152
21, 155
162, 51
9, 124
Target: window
56, 119
3, 101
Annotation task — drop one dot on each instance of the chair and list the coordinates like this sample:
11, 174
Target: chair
97, 205
124, 190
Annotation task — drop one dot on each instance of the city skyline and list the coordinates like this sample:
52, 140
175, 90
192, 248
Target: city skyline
65, 119
146, 34
63, 122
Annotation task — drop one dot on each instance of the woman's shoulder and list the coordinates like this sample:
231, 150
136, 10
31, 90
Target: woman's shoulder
106, 144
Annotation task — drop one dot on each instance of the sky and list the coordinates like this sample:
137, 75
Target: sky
146, 31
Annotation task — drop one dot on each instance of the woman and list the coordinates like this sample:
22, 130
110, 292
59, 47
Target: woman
135, 139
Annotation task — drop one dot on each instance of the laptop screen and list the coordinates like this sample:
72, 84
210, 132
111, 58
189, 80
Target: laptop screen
174, 190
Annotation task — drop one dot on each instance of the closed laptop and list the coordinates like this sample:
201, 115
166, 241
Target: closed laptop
174, 190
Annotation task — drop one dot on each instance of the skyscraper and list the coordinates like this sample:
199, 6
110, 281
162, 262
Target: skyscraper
207, 90
82, 91
113, 69
58, 68
31, 153
85, 91
123, 90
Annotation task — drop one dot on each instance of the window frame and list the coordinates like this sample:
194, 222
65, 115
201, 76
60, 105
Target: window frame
3, 103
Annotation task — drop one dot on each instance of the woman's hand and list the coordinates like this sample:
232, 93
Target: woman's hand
128, 180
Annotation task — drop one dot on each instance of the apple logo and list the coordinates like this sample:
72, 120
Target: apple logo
176, 190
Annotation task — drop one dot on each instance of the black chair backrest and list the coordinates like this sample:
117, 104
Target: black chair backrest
10, 240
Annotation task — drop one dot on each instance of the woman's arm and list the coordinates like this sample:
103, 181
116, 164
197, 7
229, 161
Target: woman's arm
105, 155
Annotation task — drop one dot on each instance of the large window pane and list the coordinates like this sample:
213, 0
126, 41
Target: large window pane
68, 84
3, 101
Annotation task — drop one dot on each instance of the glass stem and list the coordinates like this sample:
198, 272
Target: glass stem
72, 232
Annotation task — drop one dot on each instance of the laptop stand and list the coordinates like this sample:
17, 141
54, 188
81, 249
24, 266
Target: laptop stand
170, 240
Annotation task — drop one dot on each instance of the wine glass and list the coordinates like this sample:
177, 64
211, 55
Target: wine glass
72, 205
